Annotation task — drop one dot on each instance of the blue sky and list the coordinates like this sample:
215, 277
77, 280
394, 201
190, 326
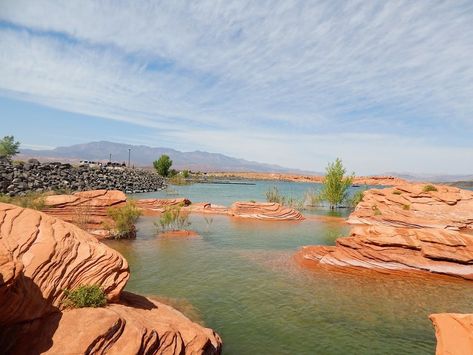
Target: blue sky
386, 86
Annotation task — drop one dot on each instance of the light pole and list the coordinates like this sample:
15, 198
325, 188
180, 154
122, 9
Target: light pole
110, 160
129, 154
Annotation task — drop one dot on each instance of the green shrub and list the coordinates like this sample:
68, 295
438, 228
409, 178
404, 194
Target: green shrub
273, 195
356, 198
397, 192
313, 198
178, 180
429, 188
185, 174
85, 296
8, 147
336, 185
406, 207
173, 219
376, 210
33, 200
163, 164
124, 218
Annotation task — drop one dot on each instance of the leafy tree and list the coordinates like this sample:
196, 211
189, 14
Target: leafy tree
8, 147
163, 164
336, 184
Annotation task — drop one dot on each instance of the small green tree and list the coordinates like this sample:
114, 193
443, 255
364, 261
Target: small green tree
8, 147
163, 164
336, 184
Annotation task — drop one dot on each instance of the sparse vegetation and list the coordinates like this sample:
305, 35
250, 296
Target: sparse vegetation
313, 198
406, 207
8, 147
178, 180
208, 222
82, 216
376, 210
397, 192
273, 195
85, 296
162, 165
173, 219
356, 198
185, 174
124, 218
336, 184
429, 188
33, 200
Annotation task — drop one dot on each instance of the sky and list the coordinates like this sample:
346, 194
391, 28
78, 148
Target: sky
387, 86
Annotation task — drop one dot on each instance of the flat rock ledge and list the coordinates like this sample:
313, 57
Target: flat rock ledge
454, 333
40, 257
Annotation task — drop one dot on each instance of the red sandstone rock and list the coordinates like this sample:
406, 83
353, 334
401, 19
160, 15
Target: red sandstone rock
410, 206
52, 256
87, 209
40, 256
268, 211
454, 333
398, 249
137, 325
156, 204
206, 208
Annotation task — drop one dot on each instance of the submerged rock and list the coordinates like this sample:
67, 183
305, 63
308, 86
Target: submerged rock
40, 257
268, 211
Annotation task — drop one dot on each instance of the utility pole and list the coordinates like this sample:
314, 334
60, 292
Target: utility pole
110, 160
129, 154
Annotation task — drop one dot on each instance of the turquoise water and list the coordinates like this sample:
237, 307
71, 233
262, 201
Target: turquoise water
239, 278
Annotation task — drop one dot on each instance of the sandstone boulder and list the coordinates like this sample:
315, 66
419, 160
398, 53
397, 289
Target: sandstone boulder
267, 211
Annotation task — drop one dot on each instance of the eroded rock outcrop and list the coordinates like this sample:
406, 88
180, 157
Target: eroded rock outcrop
87, 209
40, 257
412, 206
406, 228
268, 211
454, 333
160, 204
398, 249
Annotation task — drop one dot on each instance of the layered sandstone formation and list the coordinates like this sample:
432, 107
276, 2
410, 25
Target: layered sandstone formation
160, 205
40, 257
87, 209
406, 229
454, 333
267, 211
358, 180
411, 206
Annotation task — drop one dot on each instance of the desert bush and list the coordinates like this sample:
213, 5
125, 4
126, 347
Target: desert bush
82, 216
313, 198
33, 200
396, 192
173, 219
85, 296
356, 198
336, 185
273, 195
185, 174
124, 218
406, 207
429, 188
178, 180
376, 210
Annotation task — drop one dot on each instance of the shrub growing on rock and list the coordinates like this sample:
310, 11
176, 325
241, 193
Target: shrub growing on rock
356, 198
429, 188
85, 296
336, 184
124, 218
31, 200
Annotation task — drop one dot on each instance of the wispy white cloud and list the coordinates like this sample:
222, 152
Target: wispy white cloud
247, 77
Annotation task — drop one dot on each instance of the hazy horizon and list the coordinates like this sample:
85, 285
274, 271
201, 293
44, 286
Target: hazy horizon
387, 87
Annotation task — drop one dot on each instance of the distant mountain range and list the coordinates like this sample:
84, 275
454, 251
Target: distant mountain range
144, 156
432, 177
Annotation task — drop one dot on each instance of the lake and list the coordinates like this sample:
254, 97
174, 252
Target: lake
240, 279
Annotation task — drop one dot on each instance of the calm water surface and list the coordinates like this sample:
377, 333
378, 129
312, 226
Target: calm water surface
239, 278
